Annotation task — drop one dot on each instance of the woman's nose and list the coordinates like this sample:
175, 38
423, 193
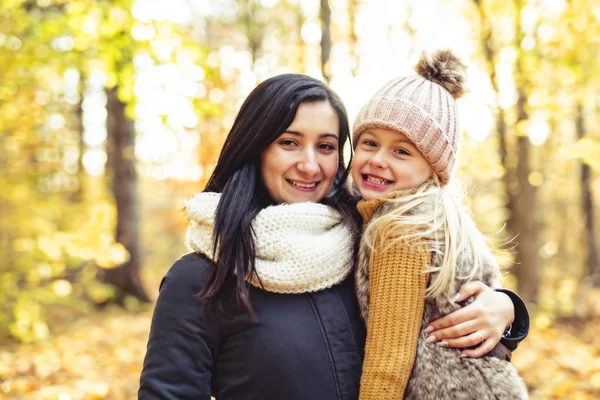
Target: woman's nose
309, 165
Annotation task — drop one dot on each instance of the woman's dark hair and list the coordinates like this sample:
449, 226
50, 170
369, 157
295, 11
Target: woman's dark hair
263, 117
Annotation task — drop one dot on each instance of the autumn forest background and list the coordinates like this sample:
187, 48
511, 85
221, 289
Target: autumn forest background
112, 114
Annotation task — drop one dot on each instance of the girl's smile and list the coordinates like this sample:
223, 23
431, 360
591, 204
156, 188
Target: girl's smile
376, 182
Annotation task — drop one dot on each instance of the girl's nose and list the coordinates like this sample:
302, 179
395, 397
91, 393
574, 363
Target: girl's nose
378, 160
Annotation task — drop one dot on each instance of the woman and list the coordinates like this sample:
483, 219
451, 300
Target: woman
264, 308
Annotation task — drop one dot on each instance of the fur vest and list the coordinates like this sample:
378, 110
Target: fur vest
438, 372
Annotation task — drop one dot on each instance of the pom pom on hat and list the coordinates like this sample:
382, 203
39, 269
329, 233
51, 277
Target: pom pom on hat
445, 69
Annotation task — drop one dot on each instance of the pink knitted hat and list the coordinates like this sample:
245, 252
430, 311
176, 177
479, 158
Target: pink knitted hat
423, 108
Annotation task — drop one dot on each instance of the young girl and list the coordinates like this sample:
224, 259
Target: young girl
419, 244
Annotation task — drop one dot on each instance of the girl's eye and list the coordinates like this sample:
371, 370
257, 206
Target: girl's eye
369, 143
402, 152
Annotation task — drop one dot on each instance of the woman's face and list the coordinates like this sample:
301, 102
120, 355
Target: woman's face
301, 164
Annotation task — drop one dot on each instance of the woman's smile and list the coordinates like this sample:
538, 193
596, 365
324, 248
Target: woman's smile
303, 186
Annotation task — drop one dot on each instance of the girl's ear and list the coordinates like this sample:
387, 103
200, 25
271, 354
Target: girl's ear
434, 178
431, 177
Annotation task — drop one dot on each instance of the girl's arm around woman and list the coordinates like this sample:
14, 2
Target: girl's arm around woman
183, 338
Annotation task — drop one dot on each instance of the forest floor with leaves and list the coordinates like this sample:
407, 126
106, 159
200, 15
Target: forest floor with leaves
100, 356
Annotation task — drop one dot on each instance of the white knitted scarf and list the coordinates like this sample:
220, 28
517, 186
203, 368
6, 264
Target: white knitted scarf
302, 247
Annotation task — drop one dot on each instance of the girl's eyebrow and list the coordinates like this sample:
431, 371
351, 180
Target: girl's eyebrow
322, 135
403, 141
395, 141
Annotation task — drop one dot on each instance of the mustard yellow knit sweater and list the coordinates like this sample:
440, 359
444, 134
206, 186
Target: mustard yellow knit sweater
397, 286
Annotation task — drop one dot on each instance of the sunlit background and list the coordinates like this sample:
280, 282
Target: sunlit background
112, 114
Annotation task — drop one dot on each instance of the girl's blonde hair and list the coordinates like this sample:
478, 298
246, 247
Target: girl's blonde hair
435, 214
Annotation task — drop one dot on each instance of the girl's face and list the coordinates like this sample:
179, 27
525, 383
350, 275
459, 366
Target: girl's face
301, 164
385, 161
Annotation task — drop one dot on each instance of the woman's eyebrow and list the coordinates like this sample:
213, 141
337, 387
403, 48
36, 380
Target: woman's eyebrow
323, 135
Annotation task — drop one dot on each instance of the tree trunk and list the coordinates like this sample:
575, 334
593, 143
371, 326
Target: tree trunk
587, 208
302, 47
520, 193
121, 163
252, 27
489, 50
352, 38
77, 196
509, 174
325, 15
523, 218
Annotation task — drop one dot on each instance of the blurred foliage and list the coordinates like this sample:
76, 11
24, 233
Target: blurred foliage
57, 217
100, 357
57, 222
561, 360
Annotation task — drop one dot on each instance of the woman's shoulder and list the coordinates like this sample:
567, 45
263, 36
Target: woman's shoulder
191, 270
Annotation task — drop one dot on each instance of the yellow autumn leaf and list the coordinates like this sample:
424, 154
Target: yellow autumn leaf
111, 80
62, 287
588, 151
595, 380
542, 321
112, 256
49, 247
99, 292
29, 329
24, 244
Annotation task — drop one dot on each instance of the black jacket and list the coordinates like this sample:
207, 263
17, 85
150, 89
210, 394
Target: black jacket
302, 347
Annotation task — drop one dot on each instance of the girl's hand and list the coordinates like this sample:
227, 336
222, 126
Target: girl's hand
480, 323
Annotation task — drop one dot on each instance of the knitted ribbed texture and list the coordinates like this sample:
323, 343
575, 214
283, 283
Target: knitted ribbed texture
422, 110
397, 297
303, 247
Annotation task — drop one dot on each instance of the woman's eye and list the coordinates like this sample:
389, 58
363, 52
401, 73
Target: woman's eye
326, 146
287, 142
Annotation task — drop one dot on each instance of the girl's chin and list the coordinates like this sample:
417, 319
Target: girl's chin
371, 194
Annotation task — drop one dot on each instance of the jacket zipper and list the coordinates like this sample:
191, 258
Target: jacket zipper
327, 347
